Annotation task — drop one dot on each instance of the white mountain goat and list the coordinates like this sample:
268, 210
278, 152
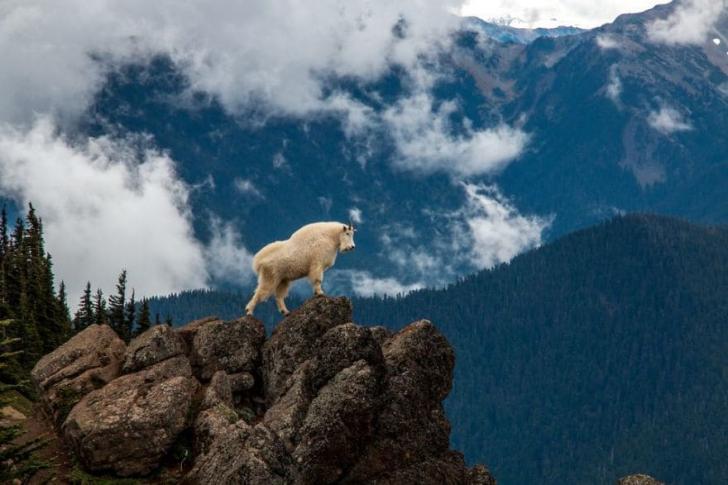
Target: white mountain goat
309, 251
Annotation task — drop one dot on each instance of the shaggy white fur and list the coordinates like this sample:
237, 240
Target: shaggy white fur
309, 252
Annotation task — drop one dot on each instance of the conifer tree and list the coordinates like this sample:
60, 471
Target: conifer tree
63, 302
85, 313
4, 248
157, 321
117, 305
100, 315
130, 317
144, 318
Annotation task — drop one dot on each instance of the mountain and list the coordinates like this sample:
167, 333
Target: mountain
614, 123
599, 354
506, 33
594, 356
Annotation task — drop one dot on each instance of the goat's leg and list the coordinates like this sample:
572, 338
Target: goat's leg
316, 277
281, 293
262, 292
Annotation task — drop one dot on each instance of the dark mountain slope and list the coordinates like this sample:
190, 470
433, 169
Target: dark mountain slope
602, 353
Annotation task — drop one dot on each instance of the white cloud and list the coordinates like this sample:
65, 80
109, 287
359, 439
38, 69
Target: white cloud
667, 120
553, 13
256, 52
614, 87
355, 215
689, 23
247, 187
227, 258
498, 232
364, 284
426, 143
606, 42
485, 231
106, 205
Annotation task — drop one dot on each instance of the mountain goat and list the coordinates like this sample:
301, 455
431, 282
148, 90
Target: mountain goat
309, 251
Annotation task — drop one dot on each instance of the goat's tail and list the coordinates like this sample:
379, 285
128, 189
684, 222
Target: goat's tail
261, 255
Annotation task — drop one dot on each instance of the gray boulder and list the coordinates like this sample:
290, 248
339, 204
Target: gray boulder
232, 346
128, 425
211, 424
338, 422
339, 348
412, 429
297, 338
638, 479
218, 391
88, 361
153, 346
244, 455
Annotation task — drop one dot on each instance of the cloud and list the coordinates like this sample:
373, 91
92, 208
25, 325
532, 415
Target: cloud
667, 120
355, 215
365, 285
255, 53
690, 22
497, 231
426, 142
246, 187
614, 87
485, 231
553, 13
226, 257
606, 42
106, 205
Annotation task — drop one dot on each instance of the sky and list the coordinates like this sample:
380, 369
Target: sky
586, 14
273, 55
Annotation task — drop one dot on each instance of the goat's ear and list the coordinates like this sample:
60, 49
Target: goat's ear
344, 230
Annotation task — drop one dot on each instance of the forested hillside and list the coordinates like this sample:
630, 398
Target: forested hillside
598, 355
38, 315
603, 353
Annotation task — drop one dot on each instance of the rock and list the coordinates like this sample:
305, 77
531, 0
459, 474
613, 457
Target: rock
153, 346
296, 339
638, 479
218, 392
232, 346
241, 381
9, 416
412, 428
211, 424
380, 334
323, 401
244, 455
88, 361
339, 348
128, 425
338, 423
479, 475
446, 469
189, 330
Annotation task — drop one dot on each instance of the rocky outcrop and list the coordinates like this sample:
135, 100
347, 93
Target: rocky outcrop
155, 345
295, 340
228, 346
322, 401
638, 479
88, 361
128, 425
